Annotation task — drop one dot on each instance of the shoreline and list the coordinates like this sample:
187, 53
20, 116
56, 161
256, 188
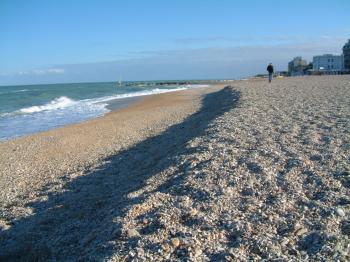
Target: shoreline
110, 104
252, 171
77, 147
118, 104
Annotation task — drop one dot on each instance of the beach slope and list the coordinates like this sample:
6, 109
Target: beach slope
250, 171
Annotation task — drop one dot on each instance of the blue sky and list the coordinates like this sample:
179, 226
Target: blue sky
80, 41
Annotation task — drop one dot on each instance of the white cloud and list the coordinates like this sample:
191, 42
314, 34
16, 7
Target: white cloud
47, 71
35, 72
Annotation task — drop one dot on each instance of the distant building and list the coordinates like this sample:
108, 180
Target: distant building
328, 63
346, 54
297, 66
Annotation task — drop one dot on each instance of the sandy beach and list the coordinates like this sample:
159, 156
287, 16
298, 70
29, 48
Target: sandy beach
236, 172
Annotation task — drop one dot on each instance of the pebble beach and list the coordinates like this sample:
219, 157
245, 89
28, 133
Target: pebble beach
241, 171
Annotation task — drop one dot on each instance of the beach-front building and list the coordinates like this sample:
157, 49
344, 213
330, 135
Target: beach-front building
346, 54
328, 63
297, 66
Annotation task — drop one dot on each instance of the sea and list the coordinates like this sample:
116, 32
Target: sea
30, 109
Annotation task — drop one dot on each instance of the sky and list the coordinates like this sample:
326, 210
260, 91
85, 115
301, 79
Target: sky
64, 41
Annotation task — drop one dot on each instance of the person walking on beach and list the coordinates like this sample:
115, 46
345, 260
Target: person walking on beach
270, 70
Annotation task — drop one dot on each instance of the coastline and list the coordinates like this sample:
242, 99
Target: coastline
251, 171
76, 147
61, 106
116, 104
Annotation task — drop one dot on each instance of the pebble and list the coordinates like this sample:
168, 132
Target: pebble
197, 252
345, 227
285, 242
175, 242
193, 212
340, 212
132, 253
166, 247
301, 231
132, 233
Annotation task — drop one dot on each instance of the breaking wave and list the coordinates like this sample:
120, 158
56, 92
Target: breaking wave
57, 103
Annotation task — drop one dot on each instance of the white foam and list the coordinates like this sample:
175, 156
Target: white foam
196, 86
134, 94
63, 102
59, 112
16, 91
63, 111
57, 103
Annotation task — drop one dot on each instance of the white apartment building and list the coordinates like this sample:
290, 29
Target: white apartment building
328, 62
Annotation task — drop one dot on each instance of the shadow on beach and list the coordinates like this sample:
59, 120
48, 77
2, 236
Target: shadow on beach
83, 221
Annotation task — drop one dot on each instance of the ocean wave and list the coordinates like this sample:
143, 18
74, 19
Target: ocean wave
64, 110
135, 94
15, 91
22, 90
57, 103
63, 102
59, 112
196, 86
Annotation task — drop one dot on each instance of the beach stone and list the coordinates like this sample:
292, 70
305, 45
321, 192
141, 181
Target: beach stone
140, 252
166, 247
132, 233
301, 231
285, 242
340, 212
175, 242
345, 227
296, 227
4, 226
343, 201
193, 212
132, 253
197, 252
248, 192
